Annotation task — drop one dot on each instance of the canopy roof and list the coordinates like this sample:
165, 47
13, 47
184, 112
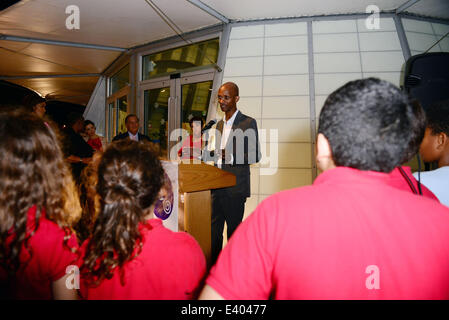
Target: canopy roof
38, 51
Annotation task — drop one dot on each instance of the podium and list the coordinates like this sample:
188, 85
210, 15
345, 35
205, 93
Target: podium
196, 180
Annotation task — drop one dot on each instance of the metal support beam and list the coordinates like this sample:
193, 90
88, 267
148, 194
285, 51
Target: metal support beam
49, 76
313, 132
406, 5
402, 37
209, 10
218, 76
60, 43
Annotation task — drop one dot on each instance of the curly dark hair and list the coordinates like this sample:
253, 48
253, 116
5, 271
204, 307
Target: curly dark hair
437, 115
418, 129
370, 125
89, 199
32, 173
129, 179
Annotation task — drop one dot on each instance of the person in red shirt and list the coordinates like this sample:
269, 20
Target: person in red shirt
94, 140
191, 146
38, 206
356, 233
130, 254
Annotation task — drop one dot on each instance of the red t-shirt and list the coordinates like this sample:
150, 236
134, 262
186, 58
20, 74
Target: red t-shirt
95, 143
349, 236
191, 149
397, 180
44, 261
171, 266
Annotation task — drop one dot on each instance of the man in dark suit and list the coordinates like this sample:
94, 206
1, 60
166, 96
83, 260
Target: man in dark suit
236, 147
132, 125
77, 151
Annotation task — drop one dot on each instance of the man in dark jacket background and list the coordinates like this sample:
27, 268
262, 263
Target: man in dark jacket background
132, 125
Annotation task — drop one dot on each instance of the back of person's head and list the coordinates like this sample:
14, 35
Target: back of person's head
32, 173
73, 117
129, 179
31, 100
437, 116
370, 125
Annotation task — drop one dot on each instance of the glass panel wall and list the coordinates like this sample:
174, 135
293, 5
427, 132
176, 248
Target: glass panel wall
199, 54
111, 121
119, 80
195, 101
122, 106
156, 118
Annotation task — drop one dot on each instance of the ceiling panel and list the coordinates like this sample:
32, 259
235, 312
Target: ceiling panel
74, 90
104, 22
18, 58
130, 23
431, 8
264, 9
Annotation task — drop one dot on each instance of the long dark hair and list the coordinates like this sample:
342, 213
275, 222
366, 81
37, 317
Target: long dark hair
129, 179
89, 199
32, 173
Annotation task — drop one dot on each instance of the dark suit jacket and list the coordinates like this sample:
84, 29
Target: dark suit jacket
126, 135
75, 145
243, 144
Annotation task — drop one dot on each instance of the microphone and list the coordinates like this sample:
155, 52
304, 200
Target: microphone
208, 125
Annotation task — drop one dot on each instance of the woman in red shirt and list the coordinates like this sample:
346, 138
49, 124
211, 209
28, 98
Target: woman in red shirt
38, 206
93, 140
191, 146
130, 254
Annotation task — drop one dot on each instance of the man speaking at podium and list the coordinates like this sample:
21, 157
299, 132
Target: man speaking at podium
236, 147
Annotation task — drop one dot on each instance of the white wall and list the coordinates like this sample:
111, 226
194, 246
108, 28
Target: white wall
346, 50
270, 64
421, 35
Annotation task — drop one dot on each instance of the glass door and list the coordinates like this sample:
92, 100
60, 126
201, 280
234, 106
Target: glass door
122, 109
195, 101
156, 104
117, 111
111, 120
169, 104
194, 106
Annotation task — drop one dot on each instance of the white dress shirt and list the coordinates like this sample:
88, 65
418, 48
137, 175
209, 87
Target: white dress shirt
227, 128
134, 137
